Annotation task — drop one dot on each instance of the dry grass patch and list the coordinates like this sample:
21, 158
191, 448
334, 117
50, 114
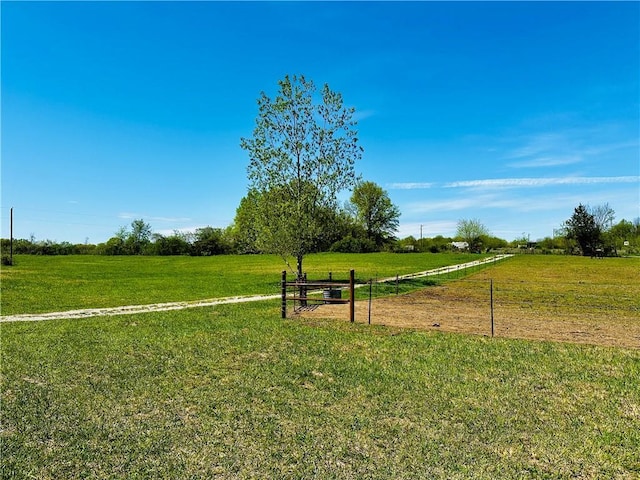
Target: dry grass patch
565, 299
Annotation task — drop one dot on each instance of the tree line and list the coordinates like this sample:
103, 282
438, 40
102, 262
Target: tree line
138, 240
587, 230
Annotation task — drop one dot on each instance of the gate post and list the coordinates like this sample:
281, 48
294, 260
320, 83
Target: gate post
284, 294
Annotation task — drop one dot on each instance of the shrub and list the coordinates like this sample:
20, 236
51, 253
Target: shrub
350, 244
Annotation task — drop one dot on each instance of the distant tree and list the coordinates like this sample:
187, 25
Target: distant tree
603, 215
302, 153
175, 244
472, 231
436, 244
114, 246
350, 244
523, 239
20, 246
64, 248
139, 237
122, 233
624, 230
582, 228
490, 242
408, 244
210, 241
549, 243
375, 212
85, 249
46, 247
340, 224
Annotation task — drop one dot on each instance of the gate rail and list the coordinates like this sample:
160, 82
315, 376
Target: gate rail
303, 293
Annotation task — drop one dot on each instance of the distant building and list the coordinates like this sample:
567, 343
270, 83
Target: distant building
460, 245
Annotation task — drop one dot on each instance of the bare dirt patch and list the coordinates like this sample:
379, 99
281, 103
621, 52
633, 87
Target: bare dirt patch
450, 309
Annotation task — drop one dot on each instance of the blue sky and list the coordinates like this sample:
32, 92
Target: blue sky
510, 113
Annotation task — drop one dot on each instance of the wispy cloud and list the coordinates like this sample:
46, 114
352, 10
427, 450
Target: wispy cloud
449, 205
495, 183
563, 148
473, 202
540, 182
149, 218
410, 186
360, 115
549, 161
539, 144
610, 147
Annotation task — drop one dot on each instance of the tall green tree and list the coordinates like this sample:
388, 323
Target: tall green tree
126, 242
302, 153
375, 212
472, 231
583, 228
139, 237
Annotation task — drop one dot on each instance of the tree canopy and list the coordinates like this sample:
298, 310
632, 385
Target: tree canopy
472, 231
583, 228
374, 212
603, 215
301, 155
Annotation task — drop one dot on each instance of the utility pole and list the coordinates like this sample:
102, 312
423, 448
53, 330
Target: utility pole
421, 237
11, 238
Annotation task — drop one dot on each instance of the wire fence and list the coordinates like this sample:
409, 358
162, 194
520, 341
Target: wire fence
578, 311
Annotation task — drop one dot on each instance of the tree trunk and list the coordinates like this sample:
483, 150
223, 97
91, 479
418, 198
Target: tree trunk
303, 290
299, 264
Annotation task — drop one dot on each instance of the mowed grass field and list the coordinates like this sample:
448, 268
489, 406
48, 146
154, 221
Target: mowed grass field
38, 284
236, 392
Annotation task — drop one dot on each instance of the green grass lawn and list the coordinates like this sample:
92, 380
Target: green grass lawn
236, 392
38, 284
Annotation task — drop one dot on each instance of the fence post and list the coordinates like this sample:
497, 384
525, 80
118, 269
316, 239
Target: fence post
284, 294
370, 285
330, 286
491, 307
396, 284
352, 306
303, 289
